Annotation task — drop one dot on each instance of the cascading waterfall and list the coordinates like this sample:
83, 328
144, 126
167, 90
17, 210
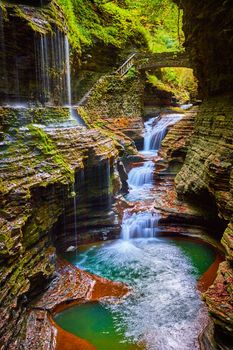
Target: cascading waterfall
51, 68
139, 225
45, 67
75, 218
142, 175
68, 79
164, 311
145, 224
73, 112
53, 71
155, 131
186, 106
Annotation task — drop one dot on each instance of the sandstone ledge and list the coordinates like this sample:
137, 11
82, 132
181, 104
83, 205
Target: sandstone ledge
71, 286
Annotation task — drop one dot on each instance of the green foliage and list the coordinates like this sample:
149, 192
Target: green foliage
179, 81
47, 149
152, 24
132, 73
181, 78
148, 24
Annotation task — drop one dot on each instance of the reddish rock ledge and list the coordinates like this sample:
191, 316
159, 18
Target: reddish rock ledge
71, 286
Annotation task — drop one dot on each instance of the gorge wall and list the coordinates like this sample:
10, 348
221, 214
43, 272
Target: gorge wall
43, 165
44, 154
39, 169
208, 40
207, 173
117, 103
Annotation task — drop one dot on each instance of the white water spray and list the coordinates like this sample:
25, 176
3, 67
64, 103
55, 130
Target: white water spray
142, 175
139, 225
68, 79
156, 131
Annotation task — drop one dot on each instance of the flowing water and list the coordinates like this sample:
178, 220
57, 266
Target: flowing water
73, 113
139, 225
49, 78
164, 310
155, 131
142, 175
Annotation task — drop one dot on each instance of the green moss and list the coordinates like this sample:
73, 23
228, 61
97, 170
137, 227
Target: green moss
118, 23
178, 81
17, 117
33, 157
41, 221
47, 148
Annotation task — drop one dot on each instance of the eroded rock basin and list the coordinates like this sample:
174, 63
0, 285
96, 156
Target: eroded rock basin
164, 310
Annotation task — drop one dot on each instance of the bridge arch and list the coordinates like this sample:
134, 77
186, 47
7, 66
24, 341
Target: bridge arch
163, 60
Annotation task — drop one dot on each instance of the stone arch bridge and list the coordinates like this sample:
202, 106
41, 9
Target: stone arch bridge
152, 62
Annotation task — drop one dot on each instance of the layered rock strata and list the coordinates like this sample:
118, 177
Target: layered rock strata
175, 145
206, 176
208, 41
207, 172
38, 167
117, 103
71, 286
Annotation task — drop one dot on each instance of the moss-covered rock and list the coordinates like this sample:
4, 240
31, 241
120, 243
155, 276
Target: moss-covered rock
115, 105
37, 172
206, 176
208, 165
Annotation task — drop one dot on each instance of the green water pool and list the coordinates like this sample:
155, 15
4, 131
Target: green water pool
164, 310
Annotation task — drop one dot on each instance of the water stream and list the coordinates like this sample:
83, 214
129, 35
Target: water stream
142, 175
155, 131
164, 311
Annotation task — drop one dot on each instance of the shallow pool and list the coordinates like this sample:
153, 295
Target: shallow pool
164, 312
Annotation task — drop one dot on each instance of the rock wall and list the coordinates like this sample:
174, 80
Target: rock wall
207, 174
208, 40
38, 167
177, 141
118, 102
208, 166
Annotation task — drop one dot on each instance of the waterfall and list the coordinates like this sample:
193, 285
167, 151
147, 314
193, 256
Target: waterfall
139, 225
142, 175
75, 220
155, 131
45, 67
68, 79
51, 72
41, 73
73, 113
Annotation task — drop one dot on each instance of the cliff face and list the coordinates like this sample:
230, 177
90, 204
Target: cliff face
38, 167
117, 103
208, 166
208, 39
207, 174
47, 162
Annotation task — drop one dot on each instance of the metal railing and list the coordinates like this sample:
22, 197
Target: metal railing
125, 67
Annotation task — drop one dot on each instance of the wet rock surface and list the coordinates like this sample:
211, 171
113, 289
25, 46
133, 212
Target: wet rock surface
71, 286
118, 103
207, 176
207, 172
176, 143
38, 168
208, 32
